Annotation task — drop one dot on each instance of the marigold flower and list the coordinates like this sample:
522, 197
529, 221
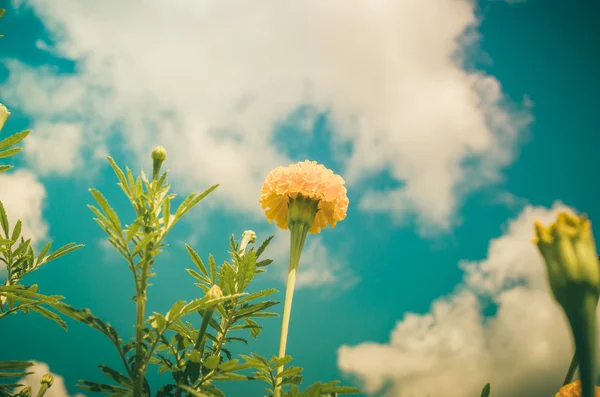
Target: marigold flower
573, 390
308, 180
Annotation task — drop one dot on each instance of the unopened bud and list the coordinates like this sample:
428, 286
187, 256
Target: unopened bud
247, 237
214, 292
569, 251
4, 114
47, 379
26, 392
159, 154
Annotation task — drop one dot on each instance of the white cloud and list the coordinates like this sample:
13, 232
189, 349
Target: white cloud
524, 350
318, 266
55, 147
209, 80
40, 369
23, 198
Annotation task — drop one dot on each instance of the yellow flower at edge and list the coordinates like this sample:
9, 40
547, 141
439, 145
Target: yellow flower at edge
310, 180
573, 390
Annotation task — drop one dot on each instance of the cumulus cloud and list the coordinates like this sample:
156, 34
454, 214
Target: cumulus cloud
40, 369
55, 148
23, 196
318, 266
211, 80
454, 350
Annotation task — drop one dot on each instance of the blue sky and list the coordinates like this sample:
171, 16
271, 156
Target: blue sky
449, 150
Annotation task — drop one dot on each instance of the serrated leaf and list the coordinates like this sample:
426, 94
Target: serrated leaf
4, 220
100, 387
339, 389
290, 371
191, 201
259, 294
143, 243
253, 309
263, 246
108, 210
51, 316
175, 311
14, 365
116, 376
213, 268
313, 391
197, 260
120, 175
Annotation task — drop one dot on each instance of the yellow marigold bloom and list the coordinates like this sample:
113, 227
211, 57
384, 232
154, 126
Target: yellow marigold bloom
309, 180
573, 390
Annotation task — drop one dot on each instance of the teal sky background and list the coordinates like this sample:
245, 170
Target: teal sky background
546, 50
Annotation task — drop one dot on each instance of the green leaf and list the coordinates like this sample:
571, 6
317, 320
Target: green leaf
197, 260
101, 387
191, 201
198, 276
13, 139
14, 365
51, 316
313, 391
175, 311
144, 243
120, 175
263, 246
4, 220
486, 391
158, 322
253, 327
292, 380
212, 362
259, 294
131, 231
64, 250
213, 268
290, 371
253, 309
4, 375
339, 389
116, 376
193, 392
108, 210
10, 152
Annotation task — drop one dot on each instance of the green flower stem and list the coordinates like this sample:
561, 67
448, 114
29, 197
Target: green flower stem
298, 232
139, 331
571, 370
208, 313
582, 318
193, 369
43, 389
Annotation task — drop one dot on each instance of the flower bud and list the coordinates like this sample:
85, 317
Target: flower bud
47, 379
4, 114
247, 237
26, 392
214, 292
159, 154
573, 270
569, 251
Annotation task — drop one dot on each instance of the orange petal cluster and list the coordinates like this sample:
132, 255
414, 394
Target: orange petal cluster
309, 179
573, 390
